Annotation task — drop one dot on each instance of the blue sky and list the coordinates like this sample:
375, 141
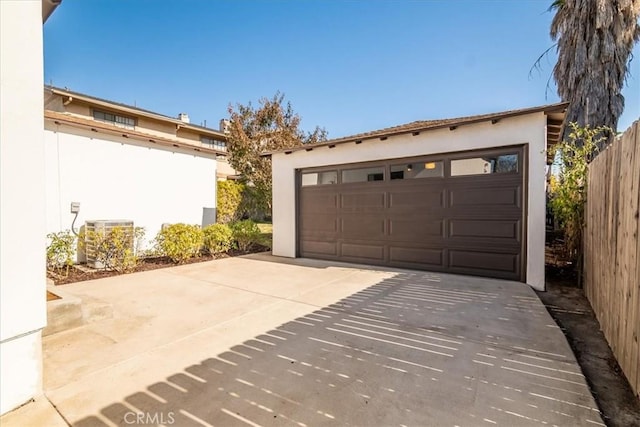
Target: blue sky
347, 66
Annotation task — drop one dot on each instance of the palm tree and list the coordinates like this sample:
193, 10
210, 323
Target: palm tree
594, 43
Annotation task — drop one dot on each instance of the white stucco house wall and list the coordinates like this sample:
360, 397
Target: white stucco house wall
58, 147
120, 162
460, 221
22, 213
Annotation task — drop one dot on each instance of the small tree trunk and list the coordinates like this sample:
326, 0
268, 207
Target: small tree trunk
579, 266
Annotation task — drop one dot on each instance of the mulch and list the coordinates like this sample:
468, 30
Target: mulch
82, 272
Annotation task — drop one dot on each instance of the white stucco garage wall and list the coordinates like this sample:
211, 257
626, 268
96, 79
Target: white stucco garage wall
113, 179
22, 219
526, 129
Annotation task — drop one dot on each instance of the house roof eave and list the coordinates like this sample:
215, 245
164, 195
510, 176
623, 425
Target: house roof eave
99, 127
550, 110
135, 111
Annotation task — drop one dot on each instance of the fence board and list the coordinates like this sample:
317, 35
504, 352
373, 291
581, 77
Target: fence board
628, 232
612, 248
634, 333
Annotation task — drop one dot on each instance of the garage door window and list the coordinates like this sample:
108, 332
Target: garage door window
363, 175
417, 170
319, 178
503, 163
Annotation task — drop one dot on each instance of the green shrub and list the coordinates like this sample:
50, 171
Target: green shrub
238, 201
179, 242
218, 238
568, 190
229, 198
117, 248
245, 233
254, 204
60, 250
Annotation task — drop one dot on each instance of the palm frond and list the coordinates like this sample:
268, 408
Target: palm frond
557, 4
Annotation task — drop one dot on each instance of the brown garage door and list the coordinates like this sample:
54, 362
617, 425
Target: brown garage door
458, 213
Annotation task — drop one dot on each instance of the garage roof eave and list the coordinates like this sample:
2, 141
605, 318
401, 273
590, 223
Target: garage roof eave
555, 118
48, 7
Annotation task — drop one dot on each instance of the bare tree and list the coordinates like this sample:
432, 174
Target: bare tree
270, 127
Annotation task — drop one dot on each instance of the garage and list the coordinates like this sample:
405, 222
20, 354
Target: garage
458, 213
462, 196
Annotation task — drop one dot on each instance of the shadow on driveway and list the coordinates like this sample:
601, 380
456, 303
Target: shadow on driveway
415, 349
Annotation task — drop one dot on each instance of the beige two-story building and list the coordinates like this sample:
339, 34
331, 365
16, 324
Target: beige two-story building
121, 162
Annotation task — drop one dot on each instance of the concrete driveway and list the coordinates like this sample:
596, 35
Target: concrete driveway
260, 340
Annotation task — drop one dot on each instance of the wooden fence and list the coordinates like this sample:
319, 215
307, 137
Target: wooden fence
612, 248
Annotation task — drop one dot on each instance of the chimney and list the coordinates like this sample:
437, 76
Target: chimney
225, 124
183, 117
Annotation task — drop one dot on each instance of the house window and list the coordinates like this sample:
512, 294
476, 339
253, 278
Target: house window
363, 175
415, 170
214, 143
115, 119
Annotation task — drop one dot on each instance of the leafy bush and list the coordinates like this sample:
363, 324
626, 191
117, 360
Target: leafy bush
239, 201
116, 249
179, 242
254, 204
218, 238
245, 233
60, 250
569, 190
229, 199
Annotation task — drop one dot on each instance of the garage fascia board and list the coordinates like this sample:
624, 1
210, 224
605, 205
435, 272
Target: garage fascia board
555, 114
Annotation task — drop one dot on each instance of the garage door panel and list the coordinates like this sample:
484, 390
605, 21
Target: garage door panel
318, 223
362, 226
433, 257
485, 212
485, 180
497, 196
362, 201
310, 248
415, 229
496, 229
483, 261
365, 251
319, 201
417, 199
